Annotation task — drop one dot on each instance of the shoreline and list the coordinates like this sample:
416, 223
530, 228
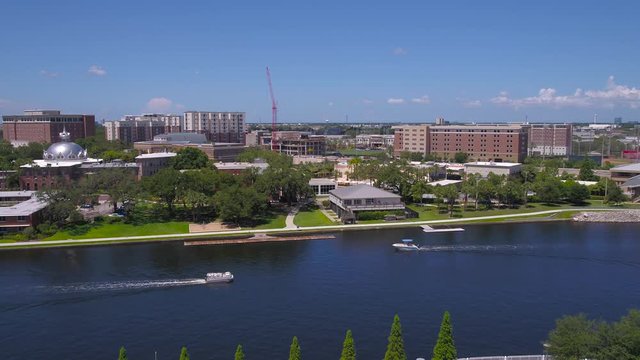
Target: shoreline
234, 235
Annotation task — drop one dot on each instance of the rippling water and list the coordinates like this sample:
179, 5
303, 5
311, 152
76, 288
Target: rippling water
504, 285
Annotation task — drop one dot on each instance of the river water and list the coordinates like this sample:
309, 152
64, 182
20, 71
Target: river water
503, 284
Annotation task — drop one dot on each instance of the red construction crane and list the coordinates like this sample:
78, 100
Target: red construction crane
274, 112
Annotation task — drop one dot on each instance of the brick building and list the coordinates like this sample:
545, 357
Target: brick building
550, 139
132, 128
482, 142
44, 126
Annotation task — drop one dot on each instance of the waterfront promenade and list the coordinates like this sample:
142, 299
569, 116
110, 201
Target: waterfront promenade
286, 230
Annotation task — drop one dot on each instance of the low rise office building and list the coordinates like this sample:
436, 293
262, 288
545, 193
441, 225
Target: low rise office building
175, 141
150, 164
346, 202
19, 210
484, 168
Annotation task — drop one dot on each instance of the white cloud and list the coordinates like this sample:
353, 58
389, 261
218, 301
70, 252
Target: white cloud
421, 100
159, 104
367, 101
611, 96
399, 51
472, 103
97, 70
49, 73
395, 101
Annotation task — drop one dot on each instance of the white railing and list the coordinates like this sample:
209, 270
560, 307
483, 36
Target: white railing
511, 357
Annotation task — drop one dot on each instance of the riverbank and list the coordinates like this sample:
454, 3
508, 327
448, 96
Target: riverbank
622, 216
538, 216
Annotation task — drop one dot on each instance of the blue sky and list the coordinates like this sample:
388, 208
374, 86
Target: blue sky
407, 61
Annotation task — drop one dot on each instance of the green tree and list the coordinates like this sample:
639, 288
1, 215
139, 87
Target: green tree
122, 355
418, 189
586, 171
548, 189
119, 184
239, 353
449, 194
445, 348
190, 158
239, 204
575, 193
574, 338
395, 347
164, 185
294, 350
461, 157
184, 354
348, 347
512, 192
614, 194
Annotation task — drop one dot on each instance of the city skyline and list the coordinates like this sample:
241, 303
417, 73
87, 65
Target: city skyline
495, 62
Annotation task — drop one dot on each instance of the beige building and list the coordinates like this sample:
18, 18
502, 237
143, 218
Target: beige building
226, 127
411, 138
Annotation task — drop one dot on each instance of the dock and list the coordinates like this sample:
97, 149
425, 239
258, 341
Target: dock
429, 229
258, 238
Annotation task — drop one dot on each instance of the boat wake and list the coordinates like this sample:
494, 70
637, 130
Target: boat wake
473, 248
125, 285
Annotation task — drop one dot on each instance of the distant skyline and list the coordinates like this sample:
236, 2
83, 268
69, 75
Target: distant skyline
409, 61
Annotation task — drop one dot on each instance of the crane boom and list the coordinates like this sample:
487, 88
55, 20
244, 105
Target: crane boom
274, 111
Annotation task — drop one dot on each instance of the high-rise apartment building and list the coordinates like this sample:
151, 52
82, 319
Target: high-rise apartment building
44, 126
216, 126
550, 139
482, 142
132, 128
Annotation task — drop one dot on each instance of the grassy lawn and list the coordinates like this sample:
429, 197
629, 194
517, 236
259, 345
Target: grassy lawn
312, 218
104, 230
276, 221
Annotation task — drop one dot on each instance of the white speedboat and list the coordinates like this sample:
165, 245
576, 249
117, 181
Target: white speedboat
406, 245
225, 277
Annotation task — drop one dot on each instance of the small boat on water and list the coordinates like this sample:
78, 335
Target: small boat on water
406, 245
219, 277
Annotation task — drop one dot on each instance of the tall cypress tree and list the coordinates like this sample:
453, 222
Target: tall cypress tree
445, 349
395, 348
239, 353
348, 347
294, 351
123, 353
184, 354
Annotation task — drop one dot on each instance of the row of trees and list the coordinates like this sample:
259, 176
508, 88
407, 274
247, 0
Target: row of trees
578, 337
444, 349
541, 178
190, 188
